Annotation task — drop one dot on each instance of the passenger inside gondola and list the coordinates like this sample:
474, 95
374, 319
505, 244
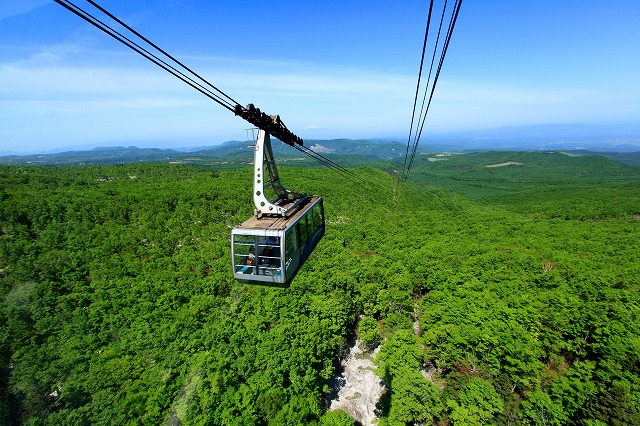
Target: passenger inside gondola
268, 261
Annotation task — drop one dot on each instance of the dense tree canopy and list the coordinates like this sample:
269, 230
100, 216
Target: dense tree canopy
499, 295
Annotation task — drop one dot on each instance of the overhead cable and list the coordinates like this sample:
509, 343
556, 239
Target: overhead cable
328, 163
176, 68
415, 100
423, 109
452, 22
161, 50
417, 132
218, 97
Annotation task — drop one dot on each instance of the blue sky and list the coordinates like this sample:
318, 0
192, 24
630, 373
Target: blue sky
331, 69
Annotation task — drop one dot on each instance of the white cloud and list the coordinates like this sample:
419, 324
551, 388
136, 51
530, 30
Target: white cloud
480, 104
49, 99
335, 100
51, 82
52, 54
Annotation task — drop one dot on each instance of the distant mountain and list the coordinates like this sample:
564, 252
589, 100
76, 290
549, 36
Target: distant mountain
619, 142
101, 155
375, 148
231, 151
551, 131
618, 138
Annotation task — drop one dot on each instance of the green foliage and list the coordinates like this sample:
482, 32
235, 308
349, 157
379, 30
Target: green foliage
500, 295
540, 409
477, 403
336, 418
369, 330
414, 399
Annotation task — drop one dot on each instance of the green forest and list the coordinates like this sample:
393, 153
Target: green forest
512, 277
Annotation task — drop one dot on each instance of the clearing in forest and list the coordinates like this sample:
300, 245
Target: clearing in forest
359, 389
508, 163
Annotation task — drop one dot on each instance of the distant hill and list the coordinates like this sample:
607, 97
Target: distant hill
102, 155
620, 138
621, 143
233, 151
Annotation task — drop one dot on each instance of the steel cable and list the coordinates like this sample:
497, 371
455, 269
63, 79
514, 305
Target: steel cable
148, 55
415, 100
424, 111
232, 101
220, 97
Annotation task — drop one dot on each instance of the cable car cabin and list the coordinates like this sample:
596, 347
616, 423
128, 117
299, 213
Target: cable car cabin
271, 249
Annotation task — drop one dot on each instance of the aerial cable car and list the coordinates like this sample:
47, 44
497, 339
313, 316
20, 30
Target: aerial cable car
271, 247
